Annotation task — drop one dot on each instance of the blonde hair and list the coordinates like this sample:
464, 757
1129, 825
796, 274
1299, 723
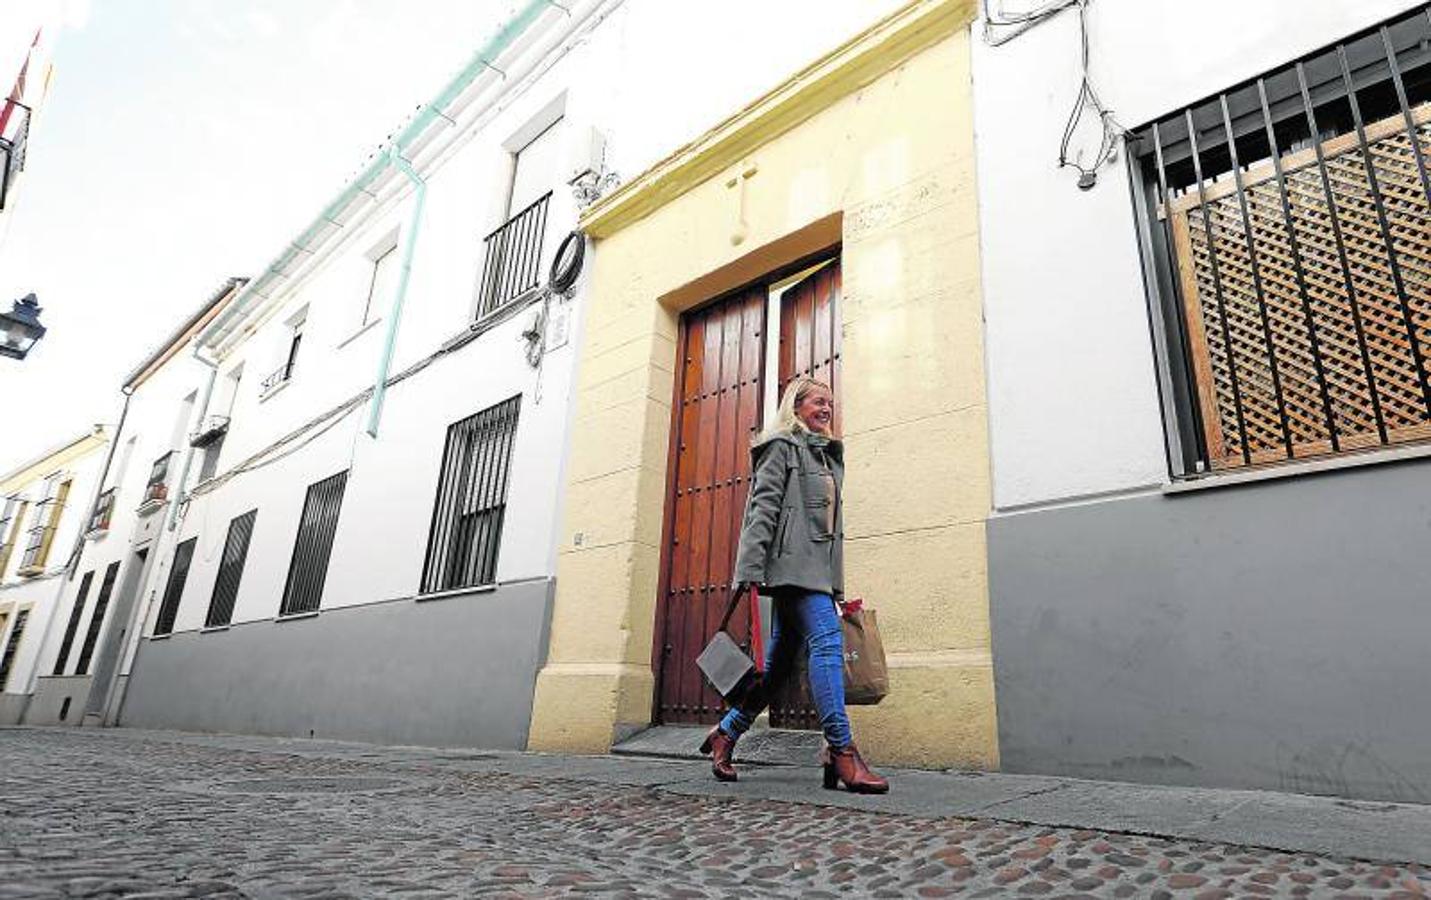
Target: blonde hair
786, 422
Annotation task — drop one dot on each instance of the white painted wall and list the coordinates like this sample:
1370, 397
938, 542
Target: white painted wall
149, 431
43, 594
651, 77
1074, 407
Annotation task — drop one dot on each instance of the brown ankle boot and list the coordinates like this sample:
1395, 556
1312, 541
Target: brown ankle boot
846, 765
721, 747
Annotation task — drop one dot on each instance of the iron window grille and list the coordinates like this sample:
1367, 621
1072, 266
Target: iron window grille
7, 659
157, 488
221, 604
72, 627
10, 522
96, 619
308, 569
513, 260
471, 503
103, 512
42, 529
174, 587
1287, 246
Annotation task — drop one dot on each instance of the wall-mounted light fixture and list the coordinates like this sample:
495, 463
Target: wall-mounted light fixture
20, 328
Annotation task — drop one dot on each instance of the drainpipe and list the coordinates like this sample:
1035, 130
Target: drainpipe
427, 116
72, 565
179, 495
380, 386
139, 612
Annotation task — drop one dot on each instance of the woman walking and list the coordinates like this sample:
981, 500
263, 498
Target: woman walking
791, 544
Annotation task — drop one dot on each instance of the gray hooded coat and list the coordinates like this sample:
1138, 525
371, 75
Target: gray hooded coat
793, 532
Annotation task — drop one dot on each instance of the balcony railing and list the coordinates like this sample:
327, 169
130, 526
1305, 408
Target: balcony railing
211, 429
275, 378
157, 489
514, 257
14, 131
103, 512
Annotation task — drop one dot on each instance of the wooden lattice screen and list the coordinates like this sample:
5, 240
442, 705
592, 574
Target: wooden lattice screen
1330, 354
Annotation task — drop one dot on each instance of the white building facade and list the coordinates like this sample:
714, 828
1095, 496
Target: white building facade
44, 518
1207, 396
379, 564
82, 663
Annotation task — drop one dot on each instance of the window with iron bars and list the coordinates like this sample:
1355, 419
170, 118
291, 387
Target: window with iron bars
1285, 226
466, 530
157, 487
72, 627
103, 511
308, 569
46, 522
174, 588
7, 659
96, 619
10, 523
221, 604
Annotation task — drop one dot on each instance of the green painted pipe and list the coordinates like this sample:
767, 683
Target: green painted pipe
380, 387
427, 115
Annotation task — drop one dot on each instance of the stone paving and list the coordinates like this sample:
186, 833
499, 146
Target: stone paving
144, 815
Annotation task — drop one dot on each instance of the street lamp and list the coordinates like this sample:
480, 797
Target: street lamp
20, 328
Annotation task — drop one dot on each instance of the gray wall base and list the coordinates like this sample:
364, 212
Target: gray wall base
50, 695
1273, 636
456, 671
12, 708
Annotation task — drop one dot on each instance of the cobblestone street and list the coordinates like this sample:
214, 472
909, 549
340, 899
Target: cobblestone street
115, 813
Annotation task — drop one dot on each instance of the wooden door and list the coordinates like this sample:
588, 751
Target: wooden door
809, 345
720, 387
718, 407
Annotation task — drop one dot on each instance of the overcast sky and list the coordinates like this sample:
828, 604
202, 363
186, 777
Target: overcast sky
184, 141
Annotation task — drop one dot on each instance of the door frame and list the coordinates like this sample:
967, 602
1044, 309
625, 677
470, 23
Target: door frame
668, 519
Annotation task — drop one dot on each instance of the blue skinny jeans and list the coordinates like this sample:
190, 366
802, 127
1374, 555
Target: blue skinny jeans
809, 620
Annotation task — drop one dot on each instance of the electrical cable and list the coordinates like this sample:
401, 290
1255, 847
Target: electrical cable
1112, 131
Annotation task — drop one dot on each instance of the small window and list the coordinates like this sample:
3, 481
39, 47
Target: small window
96, 619
284, 373
309, 567
103, 512
72, 628
382, 279
11, 520
221, 605
156, 489
174, 589
7, 659
534, 169
513, 260
215, 428
466, 528
45, 522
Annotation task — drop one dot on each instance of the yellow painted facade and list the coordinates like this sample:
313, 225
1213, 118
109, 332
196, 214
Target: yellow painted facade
871, 150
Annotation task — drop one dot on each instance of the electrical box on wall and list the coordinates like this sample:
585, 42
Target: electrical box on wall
558, 326
588, 154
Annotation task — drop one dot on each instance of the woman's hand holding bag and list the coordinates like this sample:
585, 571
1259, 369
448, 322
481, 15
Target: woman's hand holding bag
866, 673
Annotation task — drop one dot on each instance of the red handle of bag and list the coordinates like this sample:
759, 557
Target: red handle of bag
757, 645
